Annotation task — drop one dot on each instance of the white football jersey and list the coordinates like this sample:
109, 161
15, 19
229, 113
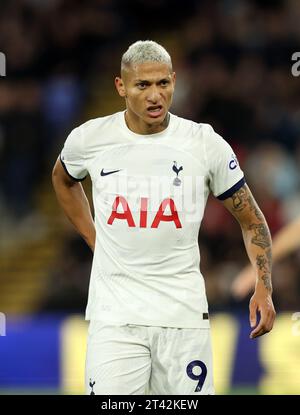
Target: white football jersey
149, 195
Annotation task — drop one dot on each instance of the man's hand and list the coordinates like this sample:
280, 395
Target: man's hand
261, 302
243, 283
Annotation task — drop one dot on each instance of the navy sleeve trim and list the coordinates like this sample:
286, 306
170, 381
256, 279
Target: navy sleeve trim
232, 190
65, 169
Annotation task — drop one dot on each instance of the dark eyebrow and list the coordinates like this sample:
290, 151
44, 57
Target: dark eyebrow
144, 81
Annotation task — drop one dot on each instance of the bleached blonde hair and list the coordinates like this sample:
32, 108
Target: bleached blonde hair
145, 51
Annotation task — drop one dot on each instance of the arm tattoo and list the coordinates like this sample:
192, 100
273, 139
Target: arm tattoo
242, 199
253, 206
239, 199
261, 237
269, 257
262, 263
267, 281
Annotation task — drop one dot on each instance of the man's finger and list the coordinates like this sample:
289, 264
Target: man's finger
252, 315
260, 329
256, 333
265, 324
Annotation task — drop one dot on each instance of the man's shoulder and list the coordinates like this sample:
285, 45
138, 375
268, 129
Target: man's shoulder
91, 130
198, 128
99, 122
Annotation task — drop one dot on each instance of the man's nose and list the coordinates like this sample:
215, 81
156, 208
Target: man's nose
153, 94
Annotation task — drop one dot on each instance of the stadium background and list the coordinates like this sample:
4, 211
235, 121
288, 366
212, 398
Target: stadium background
233, 64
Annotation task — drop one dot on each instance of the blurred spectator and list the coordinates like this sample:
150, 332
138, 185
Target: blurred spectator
22, 153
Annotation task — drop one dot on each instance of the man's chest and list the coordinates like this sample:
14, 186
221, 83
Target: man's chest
145, 185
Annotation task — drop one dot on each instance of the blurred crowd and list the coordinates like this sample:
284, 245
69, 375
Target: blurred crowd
233, 64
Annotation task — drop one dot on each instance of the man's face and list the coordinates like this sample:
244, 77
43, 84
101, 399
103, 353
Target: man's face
148, 90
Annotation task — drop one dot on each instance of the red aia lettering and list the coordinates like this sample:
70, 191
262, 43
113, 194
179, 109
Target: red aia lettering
125, 215
159, 217
143, 215
166, 218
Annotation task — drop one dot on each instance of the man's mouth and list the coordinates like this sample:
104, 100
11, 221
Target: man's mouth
155, 111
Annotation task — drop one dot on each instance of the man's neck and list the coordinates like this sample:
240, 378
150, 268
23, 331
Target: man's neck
140, 127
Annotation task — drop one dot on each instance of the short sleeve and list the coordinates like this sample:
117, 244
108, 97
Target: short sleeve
72, 156
225, 174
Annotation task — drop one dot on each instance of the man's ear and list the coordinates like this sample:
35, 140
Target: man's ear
174, 78
120, 87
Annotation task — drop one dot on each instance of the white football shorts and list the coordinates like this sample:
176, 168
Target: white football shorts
133, 359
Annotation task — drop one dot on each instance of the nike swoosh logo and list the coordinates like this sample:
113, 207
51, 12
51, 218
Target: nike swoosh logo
108, 172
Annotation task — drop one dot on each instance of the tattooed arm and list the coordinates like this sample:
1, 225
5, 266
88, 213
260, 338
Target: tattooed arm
258, 245
286, 241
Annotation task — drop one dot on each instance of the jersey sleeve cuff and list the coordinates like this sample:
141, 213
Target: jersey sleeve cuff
232, 190
66, 170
